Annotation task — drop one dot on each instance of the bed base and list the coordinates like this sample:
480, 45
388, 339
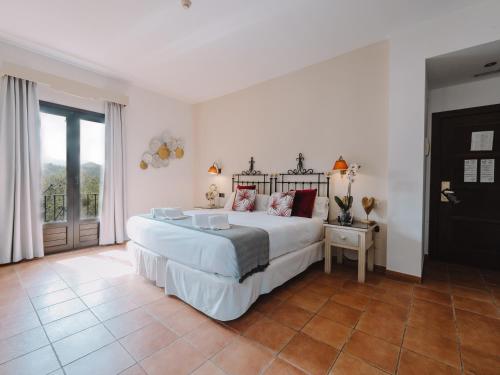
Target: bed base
220, 297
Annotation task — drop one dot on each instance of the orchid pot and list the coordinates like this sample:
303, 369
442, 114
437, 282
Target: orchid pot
345, 204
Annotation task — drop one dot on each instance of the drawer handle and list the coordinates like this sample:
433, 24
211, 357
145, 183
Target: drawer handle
343, 238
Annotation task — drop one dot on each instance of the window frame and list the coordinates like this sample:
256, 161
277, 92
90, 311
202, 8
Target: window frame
73, 220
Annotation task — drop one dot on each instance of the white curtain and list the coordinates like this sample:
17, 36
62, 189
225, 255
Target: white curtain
113, 209
20, 212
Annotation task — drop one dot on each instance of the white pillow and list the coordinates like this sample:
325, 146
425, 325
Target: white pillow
229, 203
321, 207
261, 202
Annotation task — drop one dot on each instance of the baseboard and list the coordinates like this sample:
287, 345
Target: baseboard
379, 269
354, 263
403, 276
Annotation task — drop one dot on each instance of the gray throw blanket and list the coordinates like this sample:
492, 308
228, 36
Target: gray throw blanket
251, 244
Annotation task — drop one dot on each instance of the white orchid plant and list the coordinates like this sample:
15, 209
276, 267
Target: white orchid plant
345, 203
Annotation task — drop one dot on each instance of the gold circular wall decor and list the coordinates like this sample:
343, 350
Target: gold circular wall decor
179, 153
161, 149
163, 152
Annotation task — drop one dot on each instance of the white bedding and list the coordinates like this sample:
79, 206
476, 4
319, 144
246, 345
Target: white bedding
214, 254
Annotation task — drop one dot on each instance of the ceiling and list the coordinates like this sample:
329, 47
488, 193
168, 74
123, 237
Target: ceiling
461, 66
214, 48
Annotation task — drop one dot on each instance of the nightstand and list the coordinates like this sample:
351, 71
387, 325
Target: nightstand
358, 237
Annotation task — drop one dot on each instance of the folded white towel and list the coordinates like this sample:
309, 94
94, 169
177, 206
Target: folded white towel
220, 221
201, 221
168, 212
211, 221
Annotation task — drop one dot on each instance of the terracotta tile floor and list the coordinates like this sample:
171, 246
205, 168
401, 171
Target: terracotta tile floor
85, 312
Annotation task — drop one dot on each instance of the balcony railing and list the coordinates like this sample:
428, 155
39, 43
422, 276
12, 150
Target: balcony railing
54, 206
89, 201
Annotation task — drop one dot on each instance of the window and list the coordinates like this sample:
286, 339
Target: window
72, 154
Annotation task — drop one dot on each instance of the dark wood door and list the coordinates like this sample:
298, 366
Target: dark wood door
466, 231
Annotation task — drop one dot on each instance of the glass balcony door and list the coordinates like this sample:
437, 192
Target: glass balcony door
72, 152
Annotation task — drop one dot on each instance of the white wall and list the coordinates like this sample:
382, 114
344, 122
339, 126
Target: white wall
338, 107
409, 49
147, 115
466, 95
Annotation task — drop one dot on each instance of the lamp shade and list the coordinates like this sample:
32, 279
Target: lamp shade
340, 165
213, 169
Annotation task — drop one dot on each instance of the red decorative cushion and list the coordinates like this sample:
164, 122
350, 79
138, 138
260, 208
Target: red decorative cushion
303, 204
249, 187
280, 204
244, 200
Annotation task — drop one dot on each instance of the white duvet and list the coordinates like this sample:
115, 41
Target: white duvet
216, 254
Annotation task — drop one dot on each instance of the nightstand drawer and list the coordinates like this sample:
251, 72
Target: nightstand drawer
344, 237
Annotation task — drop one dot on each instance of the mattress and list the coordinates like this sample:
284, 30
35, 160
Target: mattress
214, 254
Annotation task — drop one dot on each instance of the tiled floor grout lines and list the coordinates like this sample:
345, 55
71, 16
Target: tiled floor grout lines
405, 329
315, 321
44, 329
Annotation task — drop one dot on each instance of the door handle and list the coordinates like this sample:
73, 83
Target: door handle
450, 195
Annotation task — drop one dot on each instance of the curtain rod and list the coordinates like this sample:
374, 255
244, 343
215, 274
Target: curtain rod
63, 84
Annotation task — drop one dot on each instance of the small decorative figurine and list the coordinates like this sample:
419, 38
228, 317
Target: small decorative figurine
212, 194
368, 204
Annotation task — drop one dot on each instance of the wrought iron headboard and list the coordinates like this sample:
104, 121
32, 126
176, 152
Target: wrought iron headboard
269, 183
302, 178
262, 181
321, 183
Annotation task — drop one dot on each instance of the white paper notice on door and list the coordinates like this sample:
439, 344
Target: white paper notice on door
487, 171
482, 141
470, 170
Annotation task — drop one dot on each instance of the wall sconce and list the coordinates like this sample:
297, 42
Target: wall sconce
340, 166
215, 169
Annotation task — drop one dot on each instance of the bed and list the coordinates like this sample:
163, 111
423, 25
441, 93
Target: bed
201, 269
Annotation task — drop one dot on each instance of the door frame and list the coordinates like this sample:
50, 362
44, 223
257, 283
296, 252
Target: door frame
73, 115
435, 168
